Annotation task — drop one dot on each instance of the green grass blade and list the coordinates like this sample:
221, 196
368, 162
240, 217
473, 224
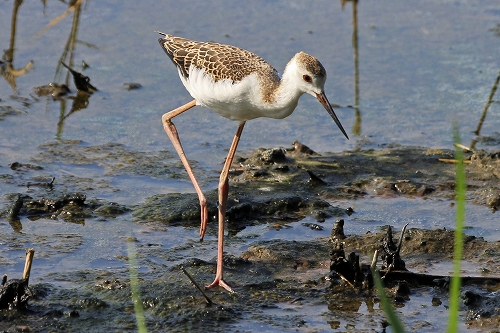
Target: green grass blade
134, 286
390, 313
454, 304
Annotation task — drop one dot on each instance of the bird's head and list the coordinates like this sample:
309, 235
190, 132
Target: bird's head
310, 77
310, 74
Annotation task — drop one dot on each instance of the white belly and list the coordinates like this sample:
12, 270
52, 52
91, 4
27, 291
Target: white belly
236, 101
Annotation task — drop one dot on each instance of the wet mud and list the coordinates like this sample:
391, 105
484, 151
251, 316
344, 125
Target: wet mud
277, 281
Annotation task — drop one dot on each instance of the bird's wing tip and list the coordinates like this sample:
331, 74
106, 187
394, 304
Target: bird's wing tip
161, 40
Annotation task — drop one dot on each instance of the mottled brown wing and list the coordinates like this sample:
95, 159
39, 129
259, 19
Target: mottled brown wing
219, 60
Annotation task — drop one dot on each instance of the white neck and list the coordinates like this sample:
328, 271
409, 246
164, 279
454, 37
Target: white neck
287, 93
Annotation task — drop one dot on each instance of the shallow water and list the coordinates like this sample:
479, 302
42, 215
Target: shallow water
418, 68
421, 65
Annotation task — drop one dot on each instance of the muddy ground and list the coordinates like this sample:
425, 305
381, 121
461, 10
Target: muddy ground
274, 279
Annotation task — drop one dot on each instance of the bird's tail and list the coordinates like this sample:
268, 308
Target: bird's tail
161, 33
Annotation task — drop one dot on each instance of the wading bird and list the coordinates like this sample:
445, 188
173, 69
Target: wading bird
239, 85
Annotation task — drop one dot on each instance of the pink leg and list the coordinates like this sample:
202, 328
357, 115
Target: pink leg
174, 137
223, 191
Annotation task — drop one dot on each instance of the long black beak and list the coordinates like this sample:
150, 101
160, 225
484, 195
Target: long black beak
324, 101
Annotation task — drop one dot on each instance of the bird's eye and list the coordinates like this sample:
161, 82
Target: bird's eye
307, 78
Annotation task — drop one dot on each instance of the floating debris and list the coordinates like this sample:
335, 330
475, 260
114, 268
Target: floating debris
53, 89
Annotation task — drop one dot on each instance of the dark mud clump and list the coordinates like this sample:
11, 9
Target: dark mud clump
72, 207
247, 205
14, 294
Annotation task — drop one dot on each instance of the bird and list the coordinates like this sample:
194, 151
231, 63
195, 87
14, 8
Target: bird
238, 85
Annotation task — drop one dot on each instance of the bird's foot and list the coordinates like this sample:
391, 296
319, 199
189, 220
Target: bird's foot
219, 282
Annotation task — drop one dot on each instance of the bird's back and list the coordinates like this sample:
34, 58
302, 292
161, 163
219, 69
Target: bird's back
218, 60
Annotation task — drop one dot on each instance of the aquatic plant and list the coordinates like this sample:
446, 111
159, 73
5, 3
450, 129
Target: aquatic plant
134, 287
460, 188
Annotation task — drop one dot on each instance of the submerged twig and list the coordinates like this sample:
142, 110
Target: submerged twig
453, 161
461, 146
401, 238
374, 260
207, 299
344, 279
387, 271
314, 178
30, 253
488, 103
49, 184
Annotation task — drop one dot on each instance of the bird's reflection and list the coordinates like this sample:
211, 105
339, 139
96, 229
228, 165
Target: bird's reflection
80, 102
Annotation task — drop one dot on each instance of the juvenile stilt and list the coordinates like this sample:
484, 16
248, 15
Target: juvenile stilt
238, 85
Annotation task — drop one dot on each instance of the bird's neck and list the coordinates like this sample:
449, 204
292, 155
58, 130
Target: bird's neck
285, 94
